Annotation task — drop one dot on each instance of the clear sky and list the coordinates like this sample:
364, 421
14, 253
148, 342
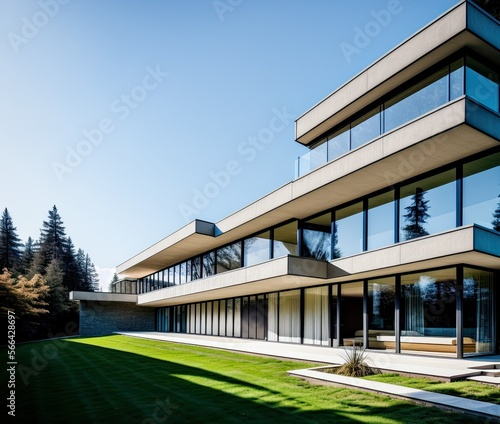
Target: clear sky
137, 117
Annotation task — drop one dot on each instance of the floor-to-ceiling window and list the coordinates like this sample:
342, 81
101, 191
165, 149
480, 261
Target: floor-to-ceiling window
316, 322
428, 311
478, 311
381, 313
289, 316
481, 188
316, 237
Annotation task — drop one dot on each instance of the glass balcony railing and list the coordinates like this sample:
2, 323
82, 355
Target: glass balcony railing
465, 75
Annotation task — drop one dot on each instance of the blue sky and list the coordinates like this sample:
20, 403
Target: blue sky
122, 112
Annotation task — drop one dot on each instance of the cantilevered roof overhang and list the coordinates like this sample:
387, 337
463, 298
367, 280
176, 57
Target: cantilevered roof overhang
466, 245
453, 132
464, 25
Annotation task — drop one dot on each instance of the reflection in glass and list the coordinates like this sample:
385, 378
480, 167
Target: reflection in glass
229, 257
256, 249
349, 229
380, 220
208, 264
381, 309
482, 83
481, 186
478, 311
365, 128
428, 308
339, 143
428, 206
196, 269
285, 240
457, 79
419, 99
316, 237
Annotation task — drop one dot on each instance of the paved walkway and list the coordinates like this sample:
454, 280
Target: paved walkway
445, 368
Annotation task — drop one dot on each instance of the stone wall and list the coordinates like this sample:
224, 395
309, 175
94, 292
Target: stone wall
99, 317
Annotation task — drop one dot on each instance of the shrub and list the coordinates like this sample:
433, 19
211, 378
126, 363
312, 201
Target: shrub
355, 363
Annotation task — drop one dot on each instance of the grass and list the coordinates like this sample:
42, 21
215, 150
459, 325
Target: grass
131, 380
466, 389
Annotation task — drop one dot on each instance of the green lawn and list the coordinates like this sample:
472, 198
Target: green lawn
118, 379
467, 389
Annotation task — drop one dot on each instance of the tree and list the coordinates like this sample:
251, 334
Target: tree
53, 242
416, 215
28, 255
26, 299
89, 278
10, 244
72, 275
496, 217
112, 282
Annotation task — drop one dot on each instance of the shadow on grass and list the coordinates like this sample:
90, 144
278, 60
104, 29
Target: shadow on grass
72, 382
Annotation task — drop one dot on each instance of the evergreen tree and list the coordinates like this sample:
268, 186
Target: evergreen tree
89, 277
30, 249
112, 282
53, 242
72, 276
10, 244
496, 217
416, 215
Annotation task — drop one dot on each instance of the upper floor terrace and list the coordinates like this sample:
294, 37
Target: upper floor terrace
455, 55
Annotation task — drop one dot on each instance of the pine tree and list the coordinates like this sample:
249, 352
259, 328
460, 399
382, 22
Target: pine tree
416, 216
53, 240
112, 282
496, 217
30, 249
10, 244
72, 276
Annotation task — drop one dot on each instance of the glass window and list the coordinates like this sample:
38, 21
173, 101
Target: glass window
478, 311
365, 128
381, 310
285, 240
481, 188
182, 273
196, 269
428, 309
272, 317
289, 316
316, 328
339, 143
171, 276
348, 230
428, 206
189, 267
351, 313
237, 317
208, 264
229, 257
222, 318
215, 318
381, 220
229, 316
318, 155
457, 79
419, 99
316, 237
481, 83
257, 249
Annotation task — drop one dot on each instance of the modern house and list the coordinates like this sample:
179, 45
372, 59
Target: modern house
388, 237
